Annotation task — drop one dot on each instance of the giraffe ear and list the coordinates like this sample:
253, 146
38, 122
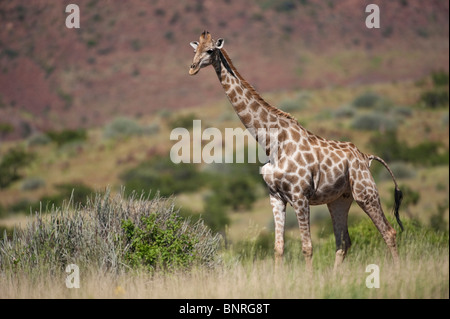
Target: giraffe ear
194, 44
219, 43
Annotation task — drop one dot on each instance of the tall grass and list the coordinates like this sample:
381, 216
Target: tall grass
32, 261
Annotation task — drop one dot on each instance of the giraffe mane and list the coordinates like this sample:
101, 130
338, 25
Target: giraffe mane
252, 90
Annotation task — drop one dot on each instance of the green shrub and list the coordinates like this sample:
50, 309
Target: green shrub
299, 102
215, 212
38, 139
107, 233
184, 121
11, 163
32, 183
367, 100
162, 174
401, 170
122, 127
435, 99
159, 245
437, 220
374, 122
67, 136
390, 149
344, 112
2, 214
5, 129
440, 78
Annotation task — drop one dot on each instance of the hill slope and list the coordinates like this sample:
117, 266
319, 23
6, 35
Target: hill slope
132, 57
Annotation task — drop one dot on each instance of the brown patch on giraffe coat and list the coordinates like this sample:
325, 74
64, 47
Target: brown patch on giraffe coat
293, 179
291, 166
302, 172
263, 115
309, 157
295, 135
284, 123
289, 149
286, 187
339, 153
278, 175
282, 136
232, 95
246, 118
254, 106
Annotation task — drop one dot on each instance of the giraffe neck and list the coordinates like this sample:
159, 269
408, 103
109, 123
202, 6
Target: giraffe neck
254, 112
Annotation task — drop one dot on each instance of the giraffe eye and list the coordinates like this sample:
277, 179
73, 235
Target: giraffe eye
209, 51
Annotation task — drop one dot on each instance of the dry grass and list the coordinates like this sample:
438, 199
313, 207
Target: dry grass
424, 279
248, 271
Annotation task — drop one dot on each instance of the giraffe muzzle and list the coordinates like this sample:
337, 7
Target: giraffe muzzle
194, 69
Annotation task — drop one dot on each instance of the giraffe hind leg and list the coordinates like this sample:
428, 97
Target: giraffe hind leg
366, 195
339, 216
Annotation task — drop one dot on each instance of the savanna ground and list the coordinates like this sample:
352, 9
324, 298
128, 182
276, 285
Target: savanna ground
394, 120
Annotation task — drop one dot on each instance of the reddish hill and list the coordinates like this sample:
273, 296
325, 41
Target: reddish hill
132, 57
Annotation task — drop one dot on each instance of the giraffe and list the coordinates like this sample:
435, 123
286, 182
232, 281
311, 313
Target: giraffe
309, 169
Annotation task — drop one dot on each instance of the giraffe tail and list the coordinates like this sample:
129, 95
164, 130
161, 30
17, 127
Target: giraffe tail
398, 195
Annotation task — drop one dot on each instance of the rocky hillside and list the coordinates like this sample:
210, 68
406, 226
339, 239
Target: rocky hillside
132, 57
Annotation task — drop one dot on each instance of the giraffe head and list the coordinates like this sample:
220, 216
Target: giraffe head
205, 52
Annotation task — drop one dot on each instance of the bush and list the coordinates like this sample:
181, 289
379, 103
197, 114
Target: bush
366, 100
67, 136
159, 244
401, 170
435, 99
162, 174
300, 102
184, 121
38, 139
122, 127
214, 213
374, 122
344, 112
11, 163
32, 183
390, 149
440, 78
105, 233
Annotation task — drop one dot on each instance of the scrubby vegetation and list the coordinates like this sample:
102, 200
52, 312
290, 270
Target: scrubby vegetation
110, 233
143, 248
11, 163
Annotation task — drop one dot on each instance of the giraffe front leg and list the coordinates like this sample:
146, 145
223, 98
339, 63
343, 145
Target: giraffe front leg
301, 207
279, 217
